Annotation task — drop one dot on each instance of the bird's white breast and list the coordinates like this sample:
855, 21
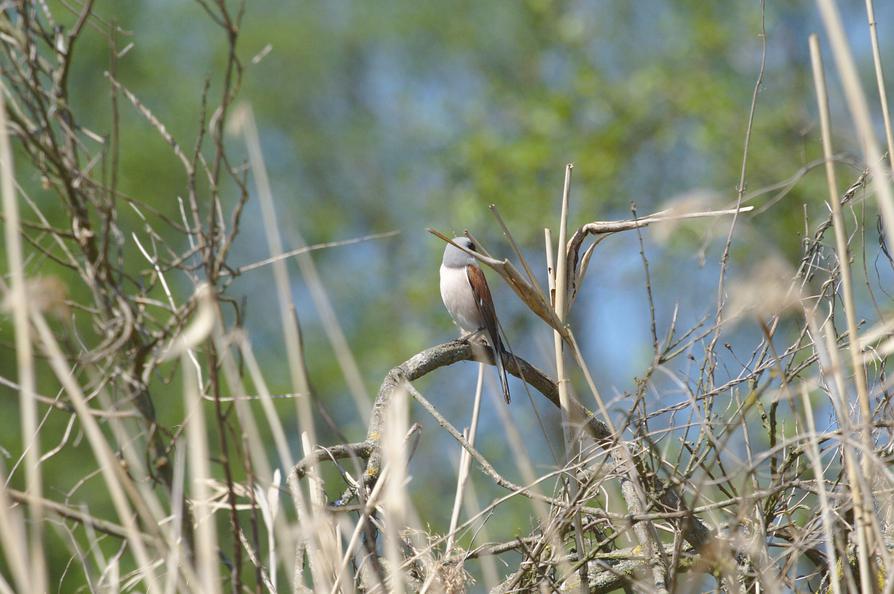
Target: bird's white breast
456, 292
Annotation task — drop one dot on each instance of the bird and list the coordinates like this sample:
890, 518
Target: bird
468, 300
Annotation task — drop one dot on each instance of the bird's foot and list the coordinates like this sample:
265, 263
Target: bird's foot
477, 337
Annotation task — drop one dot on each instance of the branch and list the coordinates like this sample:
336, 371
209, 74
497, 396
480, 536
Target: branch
608, 227
443, 355
70, 513
422, 364
360, 449
605, 576
447, 354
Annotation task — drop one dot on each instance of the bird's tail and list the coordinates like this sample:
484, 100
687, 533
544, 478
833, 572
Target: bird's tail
498, 358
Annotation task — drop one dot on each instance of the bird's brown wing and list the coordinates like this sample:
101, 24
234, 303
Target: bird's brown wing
485, 304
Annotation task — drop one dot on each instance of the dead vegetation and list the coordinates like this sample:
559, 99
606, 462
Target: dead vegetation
773, 477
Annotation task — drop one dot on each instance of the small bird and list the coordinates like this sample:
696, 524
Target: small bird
467, 298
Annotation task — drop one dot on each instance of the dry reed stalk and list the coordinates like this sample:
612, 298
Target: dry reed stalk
331, 324
849, 308
115, 479
395, 503
199, 477
18, 302
291, 334
880, 80
570, 423
859, 110
464, 462
829, 364
819, 475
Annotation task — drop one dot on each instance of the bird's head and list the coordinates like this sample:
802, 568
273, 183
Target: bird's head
455, 257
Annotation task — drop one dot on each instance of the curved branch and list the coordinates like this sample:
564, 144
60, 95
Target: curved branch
422, 364
607, 227
449, 353
446, 354
360, 449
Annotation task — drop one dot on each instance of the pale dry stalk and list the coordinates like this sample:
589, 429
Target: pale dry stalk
863, 505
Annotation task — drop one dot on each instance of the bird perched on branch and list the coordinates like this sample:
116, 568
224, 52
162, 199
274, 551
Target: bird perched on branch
467, 298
